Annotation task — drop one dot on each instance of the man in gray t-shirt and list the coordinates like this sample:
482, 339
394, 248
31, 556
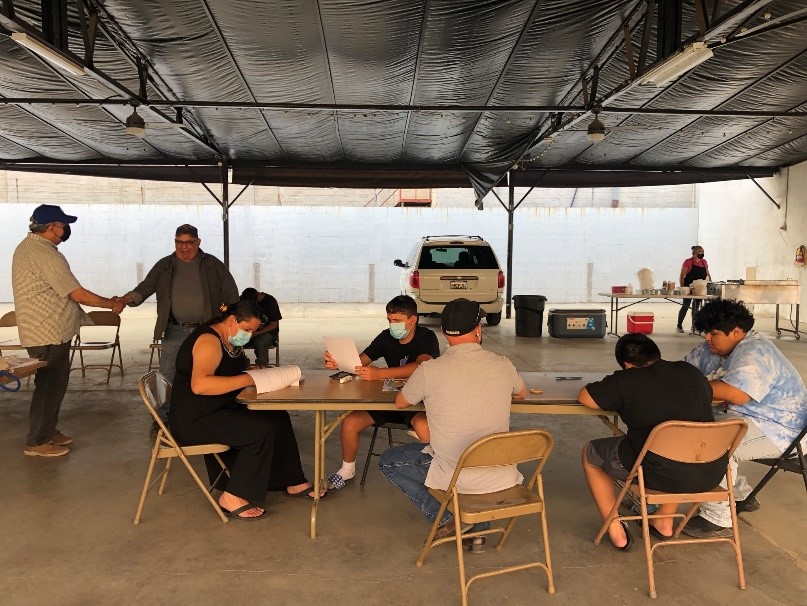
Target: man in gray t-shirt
467, 393
190, 286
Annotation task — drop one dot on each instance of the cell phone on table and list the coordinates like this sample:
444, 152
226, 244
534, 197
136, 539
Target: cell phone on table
342, 377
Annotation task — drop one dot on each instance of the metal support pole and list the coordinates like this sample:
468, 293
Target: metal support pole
511, 210
225, 211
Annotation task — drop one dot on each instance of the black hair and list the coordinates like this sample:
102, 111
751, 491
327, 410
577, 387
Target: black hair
249, 294
637, 349
692, 248
188, 230
724, 316
402, 304
242, 310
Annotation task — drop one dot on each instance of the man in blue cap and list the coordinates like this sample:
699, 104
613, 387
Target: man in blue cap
47, 299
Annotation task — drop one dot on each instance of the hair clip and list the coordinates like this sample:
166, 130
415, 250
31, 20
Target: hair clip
223, 308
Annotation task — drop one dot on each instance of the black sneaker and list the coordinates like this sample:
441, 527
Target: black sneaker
752, 505
679, 329
701, 528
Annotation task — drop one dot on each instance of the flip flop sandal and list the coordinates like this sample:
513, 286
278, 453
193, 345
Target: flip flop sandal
626, 547
304, 493
655, 533
235, 514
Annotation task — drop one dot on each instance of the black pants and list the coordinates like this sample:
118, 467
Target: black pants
696, 305
265, 455
50, 385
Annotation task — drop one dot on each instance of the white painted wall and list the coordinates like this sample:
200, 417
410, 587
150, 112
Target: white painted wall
324, 254
740, 227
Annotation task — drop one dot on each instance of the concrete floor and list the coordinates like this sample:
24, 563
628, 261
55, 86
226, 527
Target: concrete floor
66, 524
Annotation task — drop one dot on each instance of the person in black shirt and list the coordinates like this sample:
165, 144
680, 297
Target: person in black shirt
265, 338
647, 392
403, 347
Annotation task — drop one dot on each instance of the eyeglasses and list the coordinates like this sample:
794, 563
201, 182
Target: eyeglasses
185, 242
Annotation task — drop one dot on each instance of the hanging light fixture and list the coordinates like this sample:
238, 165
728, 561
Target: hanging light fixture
676, 65
596, 130
135, 125
48, 52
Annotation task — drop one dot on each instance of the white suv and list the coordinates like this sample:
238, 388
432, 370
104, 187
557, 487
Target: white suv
440, 269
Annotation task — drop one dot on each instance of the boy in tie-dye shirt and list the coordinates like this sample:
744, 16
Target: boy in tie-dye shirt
750, 374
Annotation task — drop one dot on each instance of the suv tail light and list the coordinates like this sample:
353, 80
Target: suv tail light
501, 279
414, 279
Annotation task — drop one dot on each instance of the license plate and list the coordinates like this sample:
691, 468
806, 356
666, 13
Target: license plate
459, 285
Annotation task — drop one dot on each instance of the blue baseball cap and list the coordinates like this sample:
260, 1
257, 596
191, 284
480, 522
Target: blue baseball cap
50, 213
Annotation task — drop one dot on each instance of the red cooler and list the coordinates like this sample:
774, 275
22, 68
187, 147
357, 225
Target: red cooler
641, 321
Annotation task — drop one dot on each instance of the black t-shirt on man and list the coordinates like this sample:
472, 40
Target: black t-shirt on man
645, 397
396, 354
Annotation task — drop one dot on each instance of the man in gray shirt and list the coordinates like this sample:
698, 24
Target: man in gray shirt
191, 287
467, 393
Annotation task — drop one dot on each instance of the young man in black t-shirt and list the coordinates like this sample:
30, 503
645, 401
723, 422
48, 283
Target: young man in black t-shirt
265, 338
647, 392
403, 347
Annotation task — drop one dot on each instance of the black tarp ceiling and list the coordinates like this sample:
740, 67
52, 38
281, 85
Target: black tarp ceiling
362, 93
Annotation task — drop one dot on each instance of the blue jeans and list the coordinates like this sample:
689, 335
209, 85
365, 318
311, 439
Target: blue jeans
172, 340
406, 467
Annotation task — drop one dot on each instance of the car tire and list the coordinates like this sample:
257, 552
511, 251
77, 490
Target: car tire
493, 319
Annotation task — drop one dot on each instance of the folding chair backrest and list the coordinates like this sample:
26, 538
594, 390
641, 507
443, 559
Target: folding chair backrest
693, 442
104, 318
9, 320
155, 390
508, 448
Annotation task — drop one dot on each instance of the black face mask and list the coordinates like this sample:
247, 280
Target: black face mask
66, 233
700, 256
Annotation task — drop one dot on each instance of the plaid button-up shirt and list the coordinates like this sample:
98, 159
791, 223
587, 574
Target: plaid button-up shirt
42, 282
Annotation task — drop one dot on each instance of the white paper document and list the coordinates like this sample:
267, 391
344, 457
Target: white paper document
272, 379
344, 352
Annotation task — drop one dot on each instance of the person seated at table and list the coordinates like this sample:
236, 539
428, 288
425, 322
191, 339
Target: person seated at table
209, 374
646, 392
759, 384
404, 347
467, 394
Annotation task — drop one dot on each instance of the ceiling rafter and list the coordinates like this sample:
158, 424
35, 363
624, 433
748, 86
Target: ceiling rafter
576, 88
117, 37
745, 90
413, 90
730, 19
104, 79
510, 58
327, 62
217, 31
17, 143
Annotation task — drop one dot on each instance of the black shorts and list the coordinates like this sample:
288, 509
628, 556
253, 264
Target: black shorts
391, 416
604, 453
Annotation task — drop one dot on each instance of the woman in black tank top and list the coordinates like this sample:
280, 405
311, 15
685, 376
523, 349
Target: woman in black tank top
209, 374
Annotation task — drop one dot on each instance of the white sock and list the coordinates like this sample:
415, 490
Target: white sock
348, 470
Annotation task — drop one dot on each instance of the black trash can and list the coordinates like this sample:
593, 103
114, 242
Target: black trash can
529, 315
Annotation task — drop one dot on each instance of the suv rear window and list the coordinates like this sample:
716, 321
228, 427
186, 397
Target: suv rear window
457, 257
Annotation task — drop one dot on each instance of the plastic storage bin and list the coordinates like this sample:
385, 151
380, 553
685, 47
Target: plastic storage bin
576, 323
529, 315
641, 321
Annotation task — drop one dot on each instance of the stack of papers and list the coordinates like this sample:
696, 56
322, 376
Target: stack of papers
273, 379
